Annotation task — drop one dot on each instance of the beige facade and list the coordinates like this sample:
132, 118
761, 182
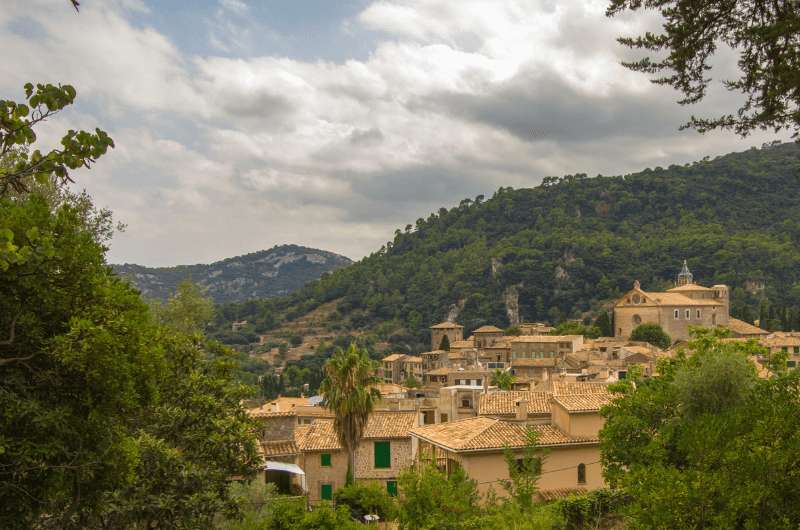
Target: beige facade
675, 310
453, 331
318, 475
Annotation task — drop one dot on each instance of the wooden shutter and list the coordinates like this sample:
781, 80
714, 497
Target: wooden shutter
326, 492
383, 455
391, 488
325, 459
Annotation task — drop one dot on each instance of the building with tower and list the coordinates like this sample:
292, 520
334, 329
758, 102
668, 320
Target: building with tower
454, 332
675, 310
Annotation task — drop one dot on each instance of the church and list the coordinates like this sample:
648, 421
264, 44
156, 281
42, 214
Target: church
675, 310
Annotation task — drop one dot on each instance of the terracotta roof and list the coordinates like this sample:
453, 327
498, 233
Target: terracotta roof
446, 325
557, 493
482, 433
504, 402
583, 402
741, 327
318, 436
390, 424
678, 299
560, 388
278, 448
393, 357
390, 388
263, 413
544, 338
411, 359
779, 338
689, 287
438, 371
462, 344
488, 329
434, 352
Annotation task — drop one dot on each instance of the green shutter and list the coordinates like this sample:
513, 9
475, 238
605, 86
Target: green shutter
383, 455
326, 492
391, 488
325, 460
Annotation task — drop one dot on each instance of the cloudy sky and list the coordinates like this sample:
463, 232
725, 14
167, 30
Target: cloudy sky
241, 124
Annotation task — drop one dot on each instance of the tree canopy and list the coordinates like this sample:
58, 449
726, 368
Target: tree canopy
764, 33
652, 333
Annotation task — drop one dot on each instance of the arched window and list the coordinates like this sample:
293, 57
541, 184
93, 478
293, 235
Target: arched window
581, 473
637, 320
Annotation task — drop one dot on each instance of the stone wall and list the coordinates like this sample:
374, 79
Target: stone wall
317, 475
365, 459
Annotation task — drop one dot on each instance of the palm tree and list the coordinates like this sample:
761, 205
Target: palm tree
348, 390
502, 380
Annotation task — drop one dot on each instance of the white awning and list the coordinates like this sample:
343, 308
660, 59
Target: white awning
282, 466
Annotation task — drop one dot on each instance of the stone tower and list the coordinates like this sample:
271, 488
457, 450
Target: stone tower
685, 277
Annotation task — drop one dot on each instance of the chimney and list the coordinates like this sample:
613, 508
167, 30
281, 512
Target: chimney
522, 410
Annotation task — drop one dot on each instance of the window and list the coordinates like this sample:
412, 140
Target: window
326, 492
699, 315
637, 299
391, 488
581, 473
637, 320
383, 455
784, 349
466, 403
677, 314
797, 349
622, 374
688, 314
791, 364
325, 460
443, 418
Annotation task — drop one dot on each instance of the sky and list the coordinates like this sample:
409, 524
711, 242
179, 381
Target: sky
243, 124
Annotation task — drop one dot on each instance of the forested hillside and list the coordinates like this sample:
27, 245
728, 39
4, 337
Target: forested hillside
570, 245
274, 272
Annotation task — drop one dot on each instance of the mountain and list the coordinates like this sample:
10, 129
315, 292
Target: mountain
278, 271
568, 247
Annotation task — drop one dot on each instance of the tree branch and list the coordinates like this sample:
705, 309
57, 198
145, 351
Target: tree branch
11, 332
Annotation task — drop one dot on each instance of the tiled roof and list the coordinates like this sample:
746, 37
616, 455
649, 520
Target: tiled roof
314, 411
544, 338
689, 287
504, 402
261, 412
488, 329
439, 371
560, 388
446, 325
393, 357
433, 352
741, 327
286, 403
781, 339
678, 299
482, 433
411, 359
462, 344
390, 424
389, 388
583, 402
318, 436
557, 493
278, 448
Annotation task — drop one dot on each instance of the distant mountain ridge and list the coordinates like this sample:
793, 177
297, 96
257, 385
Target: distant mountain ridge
278, 271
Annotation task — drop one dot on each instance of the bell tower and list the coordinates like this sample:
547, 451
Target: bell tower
685, 277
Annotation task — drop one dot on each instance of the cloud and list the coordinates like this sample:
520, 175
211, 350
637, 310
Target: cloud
232, 150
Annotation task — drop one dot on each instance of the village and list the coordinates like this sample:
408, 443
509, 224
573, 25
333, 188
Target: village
481, 395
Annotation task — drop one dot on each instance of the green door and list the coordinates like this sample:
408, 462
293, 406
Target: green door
383, 455
326, 492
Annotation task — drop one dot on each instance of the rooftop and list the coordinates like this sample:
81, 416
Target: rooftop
446, 325
488, 329
504, 402
583, 402
393, 357
318, 436
485, 434
689, 287
740, 327
278, 448
544, 338
390, 424
561, 388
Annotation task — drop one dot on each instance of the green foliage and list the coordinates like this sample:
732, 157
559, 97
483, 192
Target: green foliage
296, 340
444, 344
188, 310
434, 500
604, 325
263, 509
523, 473
652, 333
411, 382
502, 380
577, 328
369, 498
734, 218
764, 34
710, 436
17, 123
592, 509
348, 390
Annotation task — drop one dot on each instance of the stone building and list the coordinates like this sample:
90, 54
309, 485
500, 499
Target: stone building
477, 445
395, 368
675, 310
454, 332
